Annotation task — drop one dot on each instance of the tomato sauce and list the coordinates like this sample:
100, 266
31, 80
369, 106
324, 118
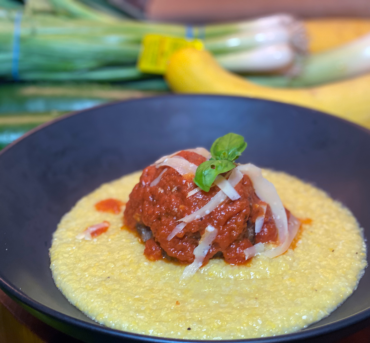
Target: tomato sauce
160, 207
103, 227
297, 238
110, 205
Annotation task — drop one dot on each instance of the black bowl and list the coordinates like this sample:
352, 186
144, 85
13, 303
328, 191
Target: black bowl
44, 174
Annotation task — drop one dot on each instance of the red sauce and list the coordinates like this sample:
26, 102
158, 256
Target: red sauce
110, 205
297, 238
234, 254
99, 231
152, 250
306, 221
160, 207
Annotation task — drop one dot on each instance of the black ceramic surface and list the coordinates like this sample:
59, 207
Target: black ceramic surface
44, 174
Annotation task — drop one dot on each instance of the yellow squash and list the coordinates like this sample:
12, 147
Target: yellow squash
193, 71
327, 33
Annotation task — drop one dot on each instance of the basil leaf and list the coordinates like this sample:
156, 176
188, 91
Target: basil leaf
207, 172
228, 147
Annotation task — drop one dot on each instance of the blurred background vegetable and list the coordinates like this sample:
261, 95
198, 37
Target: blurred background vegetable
194, 71
340, 63
64, 55
74, 42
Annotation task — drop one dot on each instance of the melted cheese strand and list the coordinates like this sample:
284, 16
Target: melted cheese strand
201, 251
293, 227
194, 191
212, 204
200, 151
181, 165
206, 209
235, 177
226, 187
254, 250
266, 191
260, 220
259, 248
176, 230
156, 180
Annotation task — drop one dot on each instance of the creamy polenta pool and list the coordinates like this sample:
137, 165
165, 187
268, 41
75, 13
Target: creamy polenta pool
109, 271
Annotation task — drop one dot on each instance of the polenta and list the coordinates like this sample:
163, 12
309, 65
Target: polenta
111, 281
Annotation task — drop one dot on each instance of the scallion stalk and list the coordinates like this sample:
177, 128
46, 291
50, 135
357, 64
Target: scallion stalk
10, 5
264, 59
41, 98
76, 9
89, 47
344, 62
104, 74
293, 35
259, 24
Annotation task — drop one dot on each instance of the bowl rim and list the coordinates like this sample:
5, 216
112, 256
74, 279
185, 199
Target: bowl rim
307, 333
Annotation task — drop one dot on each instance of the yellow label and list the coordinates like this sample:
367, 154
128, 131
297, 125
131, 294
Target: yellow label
157, 49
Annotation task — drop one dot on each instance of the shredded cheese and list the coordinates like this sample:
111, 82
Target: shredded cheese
260, 220
226, 187
200, 151
156, 180
254, 250
176, 230
201, 251
266, 191
194, 191
181, 165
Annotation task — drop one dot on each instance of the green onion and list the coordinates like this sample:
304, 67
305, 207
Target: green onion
76, 9
15, 99
153, 84
254, 25
10, 5
293, 35
105, 74
83, 44
344, 62
104, 6
264, 59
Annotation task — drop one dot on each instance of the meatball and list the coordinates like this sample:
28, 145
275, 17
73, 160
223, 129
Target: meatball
155, 210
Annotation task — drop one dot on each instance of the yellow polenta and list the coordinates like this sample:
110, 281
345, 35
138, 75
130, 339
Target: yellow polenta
111, 280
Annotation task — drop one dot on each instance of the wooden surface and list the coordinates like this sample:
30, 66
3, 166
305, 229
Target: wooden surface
18, 326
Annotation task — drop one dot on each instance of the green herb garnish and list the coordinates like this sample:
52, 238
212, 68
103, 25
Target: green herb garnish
225, 150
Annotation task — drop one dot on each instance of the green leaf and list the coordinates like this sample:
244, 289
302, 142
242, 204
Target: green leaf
207, 172
228, 147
